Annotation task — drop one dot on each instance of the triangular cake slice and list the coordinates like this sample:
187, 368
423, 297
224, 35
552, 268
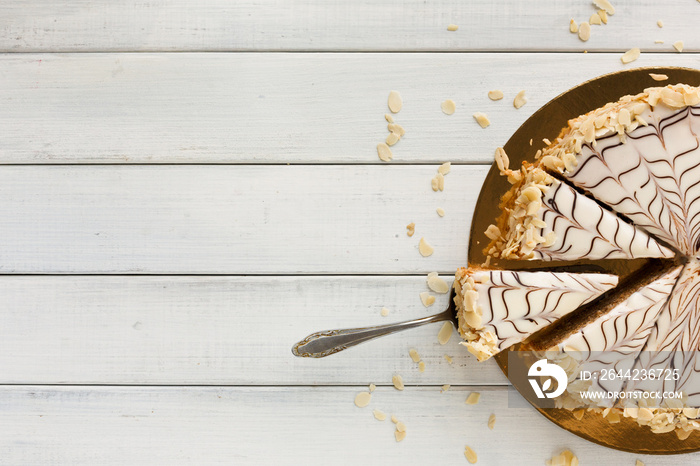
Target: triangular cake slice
641, 157
614, 339
546, 219
499, 308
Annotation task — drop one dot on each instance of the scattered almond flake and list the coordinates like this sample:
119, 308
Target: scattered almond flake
384, 312
399, 435
605, 5
495, 94
445, 387
470, 454
396, 128
578, 414
434, 183
437, 284
395, 103
452, 27
658, 77
565, 458
384, 152
482, 119
678, 45
519, 100
448, 359
547, 141
393, 419
372, 387
630, 55
392, 139
492, 421
473, 398
410, 229
445, 333
388, 118
378, 415
595, 19
448, 107
414, 355
400, 426
421, 366
638, 463
362, 399
530, 141
397, 380
658, 41
584, 31
660, 23
573, 27
444, 169
440, 181
425, 248
427, 299
440, 211
603, 16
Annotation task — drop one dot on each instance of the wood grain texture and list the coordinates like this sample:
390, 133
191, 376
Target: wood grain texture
234, 219
285, 426
219, 331
263, 108
318, 25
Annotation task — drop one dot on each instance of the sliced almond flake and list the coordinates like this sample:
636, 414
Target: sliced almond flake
531, 141
392, 139
384, 152
434, 183
605, 5
388, 118
410, 229
470, 454
437, 284
448, 359
492, 421
400, 426
595, 19
395, 103
639, 463
372, 387
384, 312
393, 419
440, 181
547, 141
473, 398
584, 31
678, 45
448, 107
399, 435
603, 16
482, 119
452, 27
578, 414
658, 77
414, 355
495, 94
396, 128
378, 415
630, 55
658, 41
573, 27
362, 399
440, 211
445, 387
425, 249
397, 380
444, 169
427, 299
660, 23
445, 333
519, 100
421, 366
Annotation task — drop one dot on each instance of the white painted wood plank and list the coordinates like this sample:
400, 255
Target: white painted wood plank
276, 108
253, 426
219, 331
319, 25
232, 219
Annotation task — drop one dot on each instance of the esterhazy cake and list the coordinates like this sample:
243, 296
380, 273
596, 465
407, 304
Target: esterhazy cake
620, 182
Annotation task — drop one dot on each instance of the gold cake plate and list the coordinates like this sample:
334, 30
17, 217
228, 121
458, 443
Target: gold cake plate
547, 122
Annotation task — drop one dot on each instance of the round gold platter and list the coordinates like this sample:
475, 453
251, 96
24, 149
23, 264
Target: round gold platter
547, 122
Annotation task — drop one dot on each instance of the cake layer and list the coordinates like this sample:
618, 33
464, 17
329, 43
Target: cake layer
498, 309
546, 219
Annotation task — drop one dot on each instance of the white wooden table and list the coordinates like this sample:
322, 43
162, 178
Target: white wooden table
189, 187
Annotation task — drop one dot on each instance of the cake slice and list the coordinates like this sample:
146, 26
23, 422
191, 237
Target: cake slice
546, 219
499, 308
641, 157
